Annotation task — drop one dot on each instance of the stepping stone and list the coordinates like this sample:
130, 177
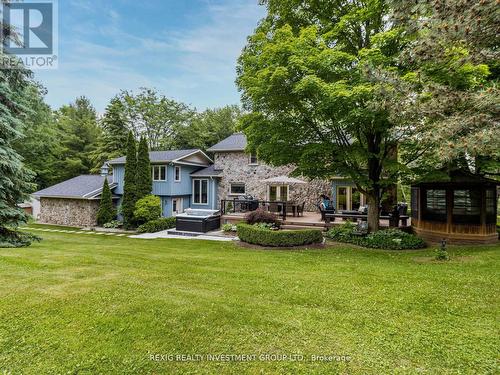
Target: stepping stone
110, 234
120, 235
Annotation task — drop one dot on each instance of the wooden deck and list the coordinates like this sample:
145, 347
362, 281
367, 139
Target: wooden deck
309, 220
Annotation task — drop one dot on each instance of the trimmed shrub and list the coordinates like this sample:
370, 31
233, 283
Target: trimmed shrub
278, 238
391, 239
261, 216
106, 211
147, 209
157, 225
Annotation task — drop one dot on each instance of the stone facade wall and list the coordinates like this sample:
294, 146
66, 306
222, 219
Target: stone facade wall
237, 169
71, 212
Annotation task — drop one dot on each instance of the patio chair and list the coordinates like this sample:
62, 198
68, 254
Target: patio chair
324, 211
300, 209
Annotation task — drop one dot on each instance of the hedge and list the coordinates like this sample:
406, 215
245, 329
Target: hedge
157, 225
280, 238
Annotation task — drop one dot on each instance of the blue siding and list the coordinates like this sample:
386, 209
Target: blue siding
119, 177
168, 189
173, 188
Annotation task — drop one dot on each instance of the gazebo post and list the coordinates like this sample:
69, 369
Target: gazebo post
449, 209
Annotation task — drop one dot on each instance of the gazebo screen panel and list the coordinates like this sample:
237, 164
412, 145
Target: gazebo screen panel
434, 207
491, 206
466, 206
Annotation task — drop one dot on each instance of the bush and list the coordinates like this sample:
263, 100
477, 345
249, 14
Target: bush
113, 224
157, 225
147, 209
261, 216
282, 238
229, 228
10, 238
392, 239
442, 254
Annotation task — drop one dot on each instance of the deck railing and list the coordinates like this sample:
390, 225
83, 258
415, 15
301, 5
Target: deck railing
242, 206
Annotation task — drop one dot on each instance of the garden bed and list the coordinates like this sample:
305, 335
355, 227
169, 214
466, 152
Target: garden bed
388, 239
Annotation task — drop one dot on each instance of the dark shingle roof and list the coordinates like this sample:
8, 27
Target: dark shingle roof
235, 142
83, 187
208, 172
159, 156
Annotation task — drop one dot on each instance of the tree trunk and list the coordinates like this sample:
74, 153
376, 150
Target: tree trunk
373, 212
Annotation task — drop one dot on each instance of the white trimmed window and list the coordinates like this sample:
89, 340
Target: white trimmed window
237, 188
200, 191
252, 159
177, 173
159, 173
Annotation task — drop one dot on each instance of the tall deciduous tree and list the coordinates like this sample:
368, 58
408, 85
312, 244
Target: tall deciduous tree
313, 77
154, 116
113, 139
40, 145
207, 128
144, 183
106, 211
129, 188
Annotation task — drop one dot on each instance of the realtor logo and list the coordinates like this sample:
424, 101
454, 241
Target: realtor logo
33, 39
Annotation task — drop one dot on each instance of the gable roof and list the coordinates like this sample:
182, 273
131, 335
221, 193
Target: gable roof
235, 142
164, 156
80, 187
208, 172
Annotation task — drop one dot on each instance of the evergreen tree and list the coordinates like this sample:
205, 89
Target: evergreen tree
144, 181
15, 179
79, 131
113, 139
129, 189
106, 211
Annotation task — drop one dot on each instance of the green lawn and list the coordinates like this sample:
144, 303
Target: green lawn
93, 304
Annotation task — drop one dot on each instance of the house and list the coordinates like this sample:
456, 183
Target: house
175, 180
240, 173
182, 179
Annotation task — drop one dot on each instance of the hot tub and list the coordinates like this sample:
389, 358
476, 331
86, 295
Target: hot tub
201, 221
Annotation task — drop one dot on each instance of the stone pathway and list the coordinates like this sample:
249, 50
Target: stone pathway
144, 236
78, 231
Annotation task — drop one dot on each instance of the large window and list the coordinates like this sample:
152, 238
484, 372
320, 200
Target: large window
435, 205
342, 198
237, 188
159, 173
466, 206
200, 191
278, 193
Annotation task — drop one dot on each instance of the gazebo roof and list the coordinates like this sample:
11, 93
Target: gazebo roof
457, 177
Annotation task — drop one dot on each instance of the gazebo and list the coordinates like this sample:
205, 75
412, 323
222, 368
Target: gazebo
462, 209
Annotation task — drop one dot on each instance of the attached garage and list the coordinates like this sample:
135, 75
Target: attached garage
74, 202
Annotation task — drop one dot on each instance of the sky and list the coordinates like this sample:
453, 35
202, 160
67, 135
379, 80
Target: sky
187, 49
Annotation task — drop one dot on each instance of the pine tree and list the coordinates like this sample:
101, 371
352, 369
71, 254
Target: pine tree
113, 139
144, 182
106, 211
129, 188
15, 179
